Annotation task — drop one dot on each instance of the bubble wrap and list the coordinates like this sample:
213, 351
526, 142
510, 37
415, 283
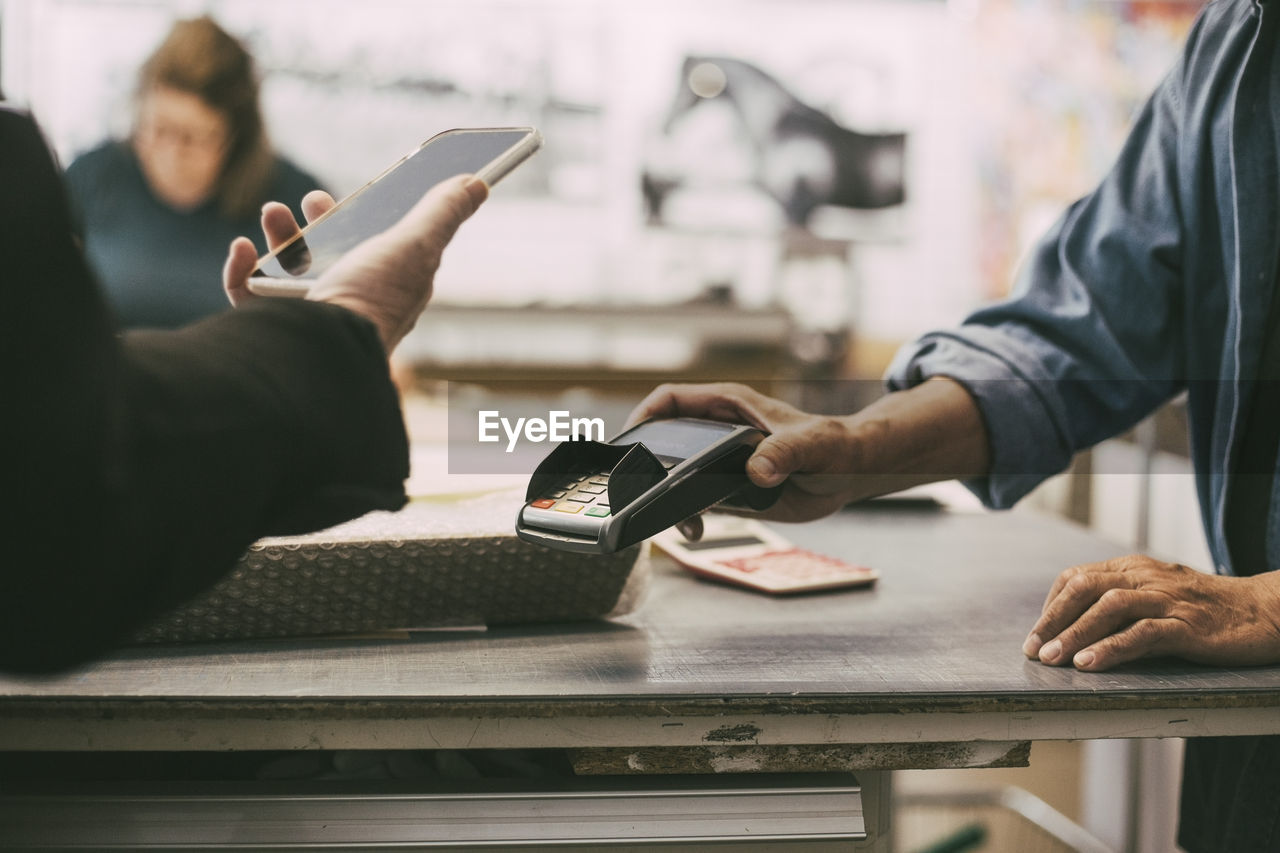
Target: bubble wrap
432, 564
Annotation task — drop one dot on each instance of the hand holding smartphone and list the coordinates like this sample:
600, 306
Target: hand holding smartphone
488, 153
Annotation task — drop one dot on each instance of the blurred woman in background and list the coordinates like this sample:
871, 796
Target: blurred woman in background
156, 211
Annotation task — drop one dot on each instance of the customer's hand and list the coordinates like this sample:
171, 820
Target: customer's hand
812, 454
388, 278
1104, 614
278, 225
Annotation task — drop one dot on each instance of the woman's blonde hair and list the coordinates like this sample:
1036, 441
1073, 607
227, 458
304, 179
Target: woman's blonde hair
202, 59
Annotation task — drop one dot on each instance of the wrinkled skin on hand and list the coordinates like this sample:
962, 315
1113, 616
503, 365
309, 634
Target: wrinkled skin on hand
1100, 615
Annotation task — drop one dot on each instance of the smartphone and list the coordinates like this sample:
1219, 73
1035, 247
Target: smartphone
744, 552
489, 153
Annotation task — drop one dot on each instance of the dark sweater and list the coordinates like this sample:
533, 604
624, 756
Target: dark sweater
161, 268
138, 467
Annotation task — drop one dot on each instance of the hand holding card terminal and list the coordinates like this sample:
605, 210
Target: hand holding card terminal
598, 497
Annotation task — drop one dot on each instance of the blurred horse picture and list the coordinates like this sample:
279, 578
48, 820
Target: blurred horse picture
801, 157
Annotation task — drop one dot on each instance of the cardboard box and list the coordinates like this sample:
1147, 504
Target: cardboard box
436, 563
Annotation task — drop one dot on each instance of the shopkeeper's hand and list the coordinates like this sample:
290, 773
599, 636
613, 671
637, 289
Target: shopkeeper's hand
927, 433
1100, 615
812, 454
388, 278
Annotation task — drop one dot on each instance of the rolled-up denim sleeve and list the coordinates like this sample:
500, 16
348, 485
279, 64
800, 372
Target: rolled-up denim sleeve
1091, 341
1025, 443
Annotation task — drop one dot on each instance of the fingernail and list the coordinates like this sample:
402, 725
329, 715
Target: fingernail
1084, 659
1032, 645
477, 189
763, 468
1051, 651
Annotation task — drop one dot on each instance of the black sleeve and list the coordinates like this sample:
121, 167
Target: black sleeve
138, 468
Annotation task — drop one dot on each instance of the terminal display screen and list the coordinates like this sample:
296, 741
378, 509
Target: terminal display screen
675, 439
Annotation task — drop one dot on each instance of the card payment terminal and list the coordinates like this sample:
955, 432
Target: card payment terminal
599, 497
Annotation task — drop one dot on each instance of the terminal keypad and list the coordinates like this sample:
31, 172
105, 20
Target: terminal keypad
588, 494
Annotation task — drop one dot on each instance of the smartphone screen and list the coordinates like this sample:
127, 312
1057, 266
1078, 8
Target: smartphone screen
487, 152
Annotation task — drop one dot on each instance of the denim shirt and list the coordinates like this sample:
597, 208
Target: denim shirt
1156, 283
